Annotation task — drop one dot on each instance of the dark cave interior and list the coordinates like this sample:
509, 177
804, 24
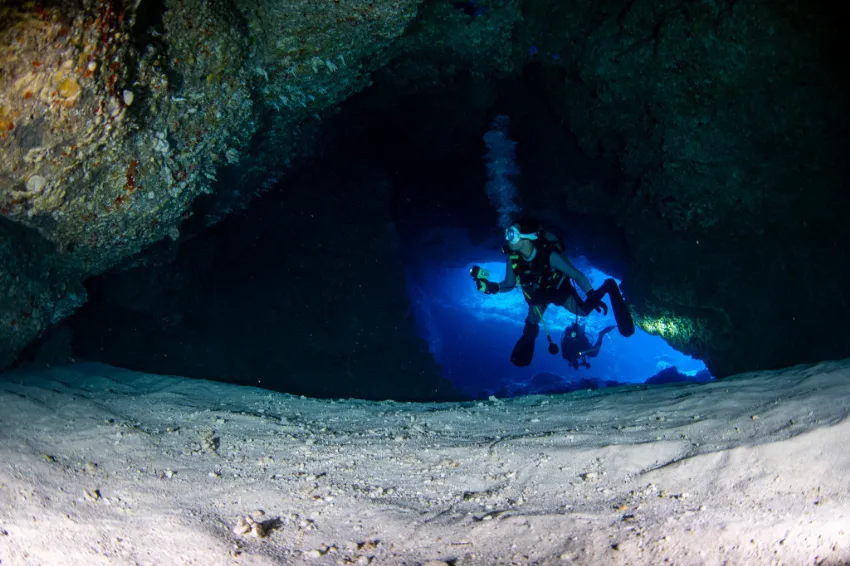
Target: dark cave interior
329, 284
343, 280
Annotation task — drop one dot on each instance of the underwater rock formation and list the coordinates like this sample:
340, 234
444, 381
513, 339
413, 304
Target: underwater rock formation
726, 122
304, 294
116, 118
729, 122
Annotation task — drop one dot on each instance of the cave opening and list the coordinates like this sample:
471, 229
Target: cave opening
471, 336
350, 277
291, 197
447, 224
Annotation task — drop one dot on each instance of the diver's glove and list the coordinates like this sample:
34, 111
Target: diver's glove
487, 287
594, 301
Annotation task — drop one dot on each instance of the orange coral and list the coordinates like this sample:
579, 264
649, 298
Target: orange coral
69, 88
132, 168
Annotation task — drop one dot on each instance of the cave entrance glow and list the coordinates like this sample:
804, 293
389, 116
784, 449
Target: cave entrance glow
471, 335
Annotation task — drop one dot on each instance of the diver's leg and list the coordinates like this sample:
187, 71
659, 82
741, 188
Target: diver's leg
524, 349
625, 324
605, 331
535, 314
594, 351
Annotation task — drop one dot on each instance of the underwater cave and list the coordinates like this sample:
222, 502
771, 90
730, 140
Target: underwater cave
369, 248
237, 253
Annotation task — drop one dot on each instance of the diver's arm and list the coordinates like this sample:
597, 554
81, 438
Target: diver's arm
509, 283
560, 262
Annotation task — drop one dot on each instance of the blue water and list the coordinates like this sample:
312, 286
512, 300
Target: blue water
471, 335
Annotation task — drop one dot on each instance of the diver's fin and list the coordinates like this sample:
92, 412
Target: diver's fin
606, 330
524, 349
625, 324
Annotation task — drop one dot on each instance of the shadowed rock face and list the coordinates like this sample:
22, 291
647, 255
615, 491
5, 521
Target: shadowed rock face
116, 117
723, 126
304, 294
729, 122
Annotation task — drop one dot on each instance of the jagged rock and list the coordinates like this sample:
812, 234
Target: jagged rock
126, 115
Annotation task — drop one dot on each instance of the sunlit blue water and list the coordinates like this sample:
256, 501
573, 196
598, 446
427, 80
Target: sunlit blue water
472, 334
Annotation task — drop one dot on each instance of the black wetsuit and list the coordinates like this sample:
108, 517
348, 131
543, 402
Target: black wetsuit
575, 345
541, 285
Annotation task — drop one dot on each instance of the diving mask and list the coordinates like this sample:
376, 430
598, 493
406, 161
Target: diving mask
513, 235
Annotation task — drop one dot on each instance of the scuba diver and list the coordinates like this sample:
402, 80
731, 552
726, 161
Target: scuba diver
575, 345
536, 262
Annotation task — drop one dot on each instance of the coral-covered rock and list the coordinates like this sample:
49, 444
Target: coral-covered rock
115, 118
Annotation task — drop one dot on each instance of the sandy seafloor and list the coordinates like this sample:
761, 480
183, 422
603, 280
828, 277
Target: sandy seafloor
100, 465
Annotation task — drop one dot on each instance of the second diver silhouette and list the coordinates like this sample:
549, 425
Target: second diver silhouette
576, 346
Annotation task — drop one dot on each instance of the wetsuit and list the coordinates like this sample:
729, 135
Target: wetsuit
544, 281
575, 345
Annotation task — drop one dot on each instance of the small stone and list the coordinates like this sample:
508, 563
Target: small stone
313, 554
112, 107
258, 530
36, 183
69, 88
242, 526
92, 495
128, 97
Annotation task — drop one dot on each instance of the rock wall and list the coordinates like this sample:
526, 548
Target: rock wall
116, 117
302, 293
729, 122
